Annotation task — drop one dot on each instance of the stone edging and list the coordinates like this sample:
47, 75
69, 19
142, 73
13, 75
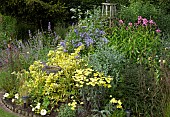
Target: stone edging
19, 111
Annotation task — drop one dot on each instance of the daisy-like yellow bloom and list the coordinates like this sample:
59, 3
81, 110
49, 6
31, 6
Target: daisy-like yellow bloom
109, 79
73, 105
95, 74
119, 106
119, 102
109, 86
113, 100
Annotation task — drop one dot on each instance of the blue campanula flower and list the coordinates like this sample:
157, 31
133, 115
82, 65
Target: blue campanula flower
76, 31
63, 43
78, 44
88, 40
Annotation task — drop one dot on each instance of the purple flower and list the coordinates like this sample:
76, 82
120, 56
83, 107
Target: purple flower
83, 27
76, 57
76, 31
65, 50
63, 43
78, 44
158, 30
102, 32
145, 21
88, 40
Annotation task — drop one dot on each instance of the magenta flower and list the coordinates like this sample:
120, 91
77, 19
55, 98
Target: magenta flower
145, 21
130, 24
151, 22
140, 18
158, 30
121, 22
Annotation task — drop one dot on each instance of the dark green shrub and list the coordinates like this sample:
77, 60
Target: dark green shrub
141, 92
65, 111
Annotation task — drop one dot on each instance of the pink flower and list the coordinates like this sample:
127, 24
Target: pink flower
151, 21
158, 30
130, 24
120, 21
145, 21
140, 18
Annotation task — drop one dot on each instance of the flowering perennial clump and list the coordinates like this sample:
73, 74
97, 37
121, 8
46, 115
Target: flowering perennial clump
117, 102
46, 89
90, 77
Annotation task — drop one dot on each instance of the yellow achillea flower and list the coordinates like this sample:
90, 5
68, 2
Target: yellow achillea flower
72, 105
113, 100
119, 106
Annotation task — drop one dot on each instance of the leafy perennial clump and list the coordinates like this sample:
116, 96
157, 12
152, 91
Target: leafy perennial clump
47, 89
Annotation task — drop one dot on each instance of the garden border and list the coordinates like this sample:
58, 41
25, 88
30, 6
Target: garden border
11, 109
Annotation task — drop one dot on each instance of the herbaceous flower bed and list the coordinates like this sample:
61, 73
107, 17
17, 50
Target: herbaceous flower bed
96, 70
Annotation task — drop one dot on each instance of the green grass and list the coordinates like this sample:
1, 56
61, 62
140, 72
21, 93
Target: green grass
5, 114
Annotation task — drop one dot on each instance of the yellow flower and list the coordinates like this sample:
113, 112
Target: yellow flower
118, 106
119, 102
113, 100
109, 86
95, 74
72, 108
108, 80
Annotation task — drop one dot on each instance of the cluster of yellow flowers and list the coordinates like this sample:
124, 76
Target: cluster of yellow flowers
117, 102
72, 105
89, 77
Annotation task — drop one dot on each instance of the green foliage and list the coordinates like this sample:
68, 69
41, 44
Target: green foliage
106, 60
5, 114
32, 10
7, 30
141, 92
147, 10
88, 31
139, 8
65, 111
138, 41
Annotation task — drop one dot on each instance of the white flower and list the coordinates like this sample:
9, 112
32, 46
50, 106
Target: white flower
38, 106
73, 17
5, 95
17, 96
13, 100
33, 109
43, 112
73, 10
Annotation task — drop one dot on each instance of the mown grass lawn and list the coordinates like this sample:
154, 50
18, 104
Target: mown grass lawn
5, 114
